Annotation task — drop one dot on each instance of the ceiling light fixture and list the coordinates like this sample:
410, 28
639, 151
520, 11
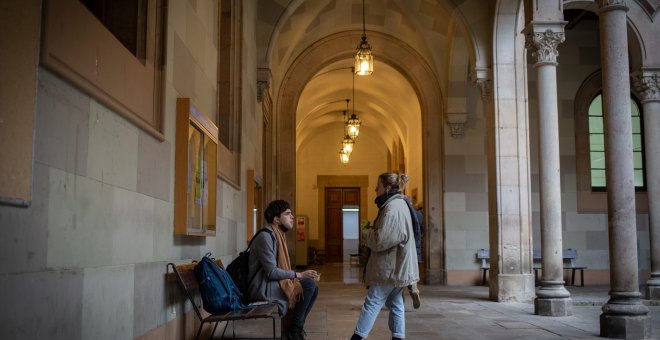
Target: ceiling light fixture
364, 59
353, 123
343, 157
348, 142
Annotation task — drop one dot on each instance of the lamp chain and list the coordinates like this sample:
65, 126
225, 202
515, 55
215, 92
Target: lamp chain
364, 29
353, 72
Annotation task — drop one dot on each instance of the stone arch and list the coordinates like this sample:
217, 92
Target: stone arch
423, 80
637, 50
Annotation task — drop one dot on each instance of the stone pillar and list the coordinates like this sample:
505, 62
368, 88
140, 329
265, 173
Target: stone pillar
624, 316
647, 83
507, 145
552, 298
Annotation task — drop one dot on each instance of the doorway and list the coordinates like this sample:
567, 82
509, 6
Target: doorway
342, 216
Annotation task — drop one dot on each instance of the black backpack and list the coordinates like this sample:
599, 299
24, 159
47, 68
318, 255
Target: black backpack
239, 269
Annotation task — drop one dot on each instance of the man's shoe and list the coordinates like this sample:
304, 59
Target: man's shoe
414, 293
293, 333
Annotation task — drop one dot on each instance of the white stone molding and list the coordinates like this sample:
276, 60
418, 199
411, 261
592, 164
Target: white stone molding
543, 45
483, 82
264, 76
647, 84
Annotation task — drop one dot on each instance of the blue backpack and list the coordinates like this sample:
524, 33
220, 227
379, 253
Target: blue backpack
218, 291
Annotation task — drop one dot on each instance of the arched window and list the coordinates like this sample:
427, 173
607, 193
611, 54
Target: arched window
590, 149
597, 145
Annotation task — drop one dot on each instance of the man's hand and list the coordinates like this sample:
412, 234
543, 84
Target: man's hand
310, 274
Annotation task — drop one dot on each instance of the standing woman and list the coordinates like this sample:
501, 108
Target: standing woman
392, 264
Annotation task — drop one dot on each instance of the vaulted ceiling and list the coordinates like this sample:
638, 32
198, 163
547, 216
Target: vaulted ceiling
386, 101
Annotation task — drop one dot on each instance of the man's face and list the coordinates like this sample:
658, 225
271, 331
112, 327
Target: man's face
285, 219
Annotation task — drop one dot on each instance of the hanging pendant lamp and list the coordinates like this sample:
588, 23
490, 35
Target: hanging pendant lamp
364, 59
353, 123
347, 144
343, 157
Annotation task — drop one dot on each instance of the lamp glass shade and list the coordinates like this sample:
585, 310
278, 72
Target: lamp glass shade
353, 126
347, 144
364, 59
343, 157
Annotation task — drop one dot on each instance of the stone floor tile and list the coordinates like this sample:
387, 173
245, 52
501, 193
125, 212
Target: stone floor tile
447, 312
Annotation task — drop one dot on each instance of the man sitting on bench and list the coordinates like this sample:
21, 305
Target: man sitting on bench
272, 277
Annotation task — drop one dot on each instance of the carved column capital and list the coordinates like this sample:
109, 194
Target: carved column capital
483, 82
456, 129
607, 5
263, 82
456, 121
544, 45
647, 84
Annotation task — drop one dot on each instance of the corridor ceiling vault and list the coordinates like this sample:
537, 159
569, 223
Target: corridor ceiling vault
440, 35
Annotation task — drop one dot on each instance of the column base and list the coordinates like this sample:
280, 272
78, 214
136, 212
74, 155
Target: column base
625, 327
625, 317
653, 287
436, 277
512, 288
553, 306
653, 293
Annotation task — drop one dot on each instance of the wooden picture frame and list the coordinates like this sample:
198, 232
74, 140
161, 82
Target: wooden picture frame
195, 171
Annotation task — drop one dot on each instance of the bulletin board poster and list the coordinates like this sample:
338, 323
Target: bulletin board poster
301, 228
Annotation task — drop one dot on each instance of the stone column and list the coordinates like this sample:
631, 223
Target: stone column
624, 316
647, 83
552, 298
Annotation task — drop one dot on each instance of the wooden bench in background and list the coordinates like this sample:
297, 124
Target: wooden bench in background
569, 256
186, 277
483, 255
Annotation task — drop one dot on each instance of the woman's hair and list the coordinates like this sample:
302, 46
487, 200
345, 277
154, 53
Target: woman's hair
275, 209
394, 180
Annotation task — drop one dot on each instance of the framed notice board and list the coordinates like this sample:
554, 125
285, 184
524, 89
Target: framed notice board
195, 169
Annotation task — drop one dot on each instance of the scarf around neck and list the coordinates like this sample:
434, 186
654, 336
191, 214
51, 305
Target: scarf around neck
291, 287
380, 200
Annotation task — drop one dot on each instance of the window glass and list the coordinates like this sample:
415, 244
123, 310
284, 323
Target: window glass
598, 179
125, 19
597, 145
597, 142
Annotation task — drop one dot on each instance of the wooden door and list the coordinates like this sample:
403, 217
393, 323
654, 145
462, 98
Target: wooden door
335, 200
334, 236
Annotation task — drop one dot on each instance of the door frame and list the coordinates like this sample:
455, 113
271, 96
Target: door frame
323, 181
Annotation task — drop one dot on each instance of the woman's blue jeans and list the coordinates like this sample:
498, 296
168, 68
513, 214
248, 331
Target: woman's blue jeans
392, 297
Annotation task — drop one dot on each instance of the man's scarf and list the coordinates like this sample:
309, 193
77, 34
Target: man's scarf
291, 287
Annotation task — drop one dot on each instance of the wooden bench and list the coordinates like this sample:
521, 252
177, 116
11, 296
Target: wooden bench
568, 256
483, 255
186, 277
